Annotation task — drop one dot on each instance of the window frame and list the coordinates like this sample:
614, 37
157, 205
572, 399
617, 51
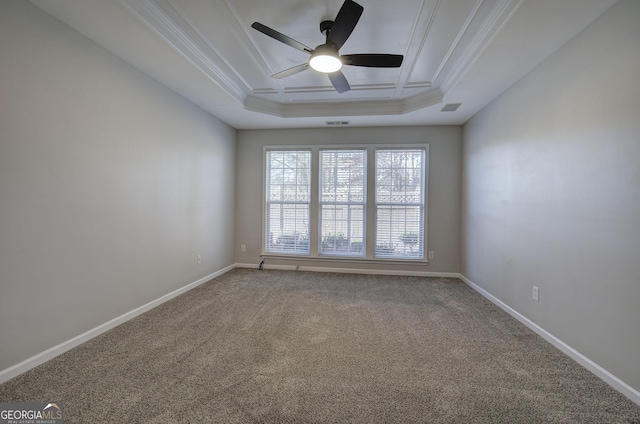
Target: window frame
370, 209
266, 202
348, 204
390, 204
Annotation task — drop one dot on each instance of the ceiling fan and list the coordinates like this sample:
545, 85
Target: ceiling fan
325, 57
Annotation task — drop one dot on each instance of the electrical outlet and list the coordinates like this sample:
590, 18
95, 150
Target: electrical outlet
243, 247
199, 259
535, 292
431, 254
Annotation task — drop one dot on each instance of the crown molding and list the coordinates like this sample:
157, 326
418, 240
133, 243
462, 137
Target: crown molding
355, 108
164, 18
500, 14
422, 100
423, 24
457, 40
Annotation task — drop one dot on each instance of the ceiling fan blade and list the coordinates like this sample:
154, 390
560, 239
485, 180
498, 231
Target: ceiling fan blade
373, 60
291, 71
280, 37
339, 82
345, 22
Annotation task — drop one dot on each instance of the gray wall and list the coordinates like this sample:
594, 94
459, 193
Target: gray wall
444, 186
110, 185
551, 194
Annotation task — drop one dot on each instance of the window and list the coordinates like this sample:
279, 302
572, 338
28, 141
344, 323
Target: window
399, 203
342, 202
358, 203
288, 195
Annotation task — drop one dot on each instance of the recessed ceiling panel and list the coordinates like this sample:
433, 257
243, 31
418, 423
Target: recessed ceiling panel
379, 30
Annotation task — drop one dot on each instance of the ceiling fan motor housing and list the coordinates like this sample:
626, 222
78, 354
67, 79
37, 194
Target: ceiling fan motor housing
325, 27
328, 49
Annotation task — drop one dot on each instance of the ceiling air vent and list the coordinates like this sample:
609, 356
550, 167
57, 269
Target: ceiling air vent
337, 123
450, 107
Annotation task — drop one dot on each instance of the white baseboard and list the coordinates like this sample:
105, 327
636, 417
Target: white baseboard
599, 371
51, 353
352, 270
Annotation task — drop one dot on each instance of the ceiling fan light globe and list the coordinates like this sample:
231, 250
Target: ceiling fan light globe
325, 63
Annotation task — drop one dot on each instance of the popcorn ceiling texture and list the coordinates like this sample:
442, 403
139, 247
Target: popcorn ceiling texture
302, 347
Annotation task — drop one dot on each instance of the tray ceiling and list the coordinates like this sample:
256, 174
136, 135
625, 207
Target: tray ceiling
462, 51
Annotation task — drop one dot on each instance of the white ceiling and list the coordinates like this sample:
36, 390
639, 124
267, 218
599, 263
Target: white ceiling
456, 51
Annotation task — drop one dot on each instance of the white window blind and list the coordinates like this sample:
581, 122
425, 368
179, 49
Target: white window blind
399, 203
342, 202
288, 195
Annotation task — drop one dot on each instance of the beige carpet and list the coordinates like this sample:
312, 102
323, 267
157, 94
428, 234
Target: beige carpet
299, 347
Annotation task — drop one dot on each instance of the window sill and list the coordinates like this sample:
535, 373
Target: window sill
345, 259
